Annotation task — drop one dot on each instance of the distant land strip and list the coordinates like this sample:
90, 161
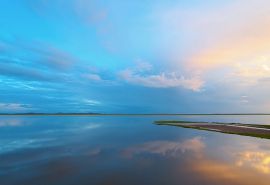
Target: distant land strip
252, 130
127, 114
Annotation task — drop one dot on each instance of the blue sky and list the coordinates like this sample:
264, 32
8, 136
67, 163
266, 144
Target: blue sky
152, 56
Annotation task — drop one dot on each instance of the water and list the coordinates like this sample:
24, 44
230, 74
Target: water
128, 150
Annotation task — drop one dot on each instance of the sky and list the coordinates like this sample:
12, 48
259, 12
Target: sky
124, 56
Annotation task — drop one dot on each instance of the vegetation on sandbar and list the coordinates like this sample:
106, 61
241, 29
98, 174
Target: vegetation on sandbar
252, 130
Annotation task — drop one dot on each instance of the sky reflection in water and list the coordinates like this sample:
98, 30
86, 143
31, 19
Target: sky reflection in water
127, 150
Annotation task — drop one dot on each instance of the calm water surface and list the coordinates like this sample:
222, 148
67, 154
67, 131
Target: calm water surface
128, 150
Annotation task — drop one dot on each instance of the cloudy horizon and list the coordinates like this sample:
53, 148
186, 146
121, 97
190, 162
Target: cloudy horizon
176, 56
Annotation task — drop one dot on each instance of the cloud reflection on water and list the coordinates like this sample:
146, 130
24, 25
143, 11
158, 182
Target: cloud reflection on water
255, 159
88, 151
11, 123
203, 162
167, 148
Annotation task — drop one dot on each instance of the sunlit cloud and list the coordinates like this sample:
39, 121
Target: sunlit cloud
234, 36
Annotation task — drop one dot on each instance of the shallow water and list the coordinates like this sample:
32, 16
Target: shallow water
42, 150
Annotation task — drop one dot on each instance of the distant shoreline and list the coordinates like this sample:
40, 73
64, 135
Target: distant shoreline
164, 114
252, 130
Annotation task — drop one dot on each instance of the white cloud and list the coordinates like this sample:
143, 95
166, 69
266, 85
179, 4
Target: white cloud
140, 75
91, 102
14, 107
142, 66
93, 77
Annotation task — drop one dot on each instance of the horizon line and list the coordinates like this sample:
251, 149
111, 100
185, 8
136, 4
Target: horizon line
129, 114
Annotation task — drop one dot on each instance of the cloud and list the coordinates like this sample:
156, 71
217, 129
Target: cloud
93, 12
242, 40
98, 79
207, 47
37, 53
87, 12
207, 39
138, 76
43, 54
91, 102
142, 66
252, 71
93, 77
3, 47
6, 107
25, 73
54, 57
35, 61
